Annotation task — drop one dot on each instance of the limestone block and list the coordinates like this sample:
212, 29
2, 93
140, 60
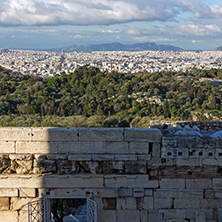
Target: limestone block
168, 152
170, 142
109, 203
119, 157
198, 183
54, 134
106, 216
21, 181
145, 203
22, 166
101, 134
102, 157
8, 192
55, 156
210, 162
15, 134
172, 183
165, 193
187, 162
210, 203
7, 147
4, 203
20, 203
64, 167
125, 192
148, 192
190, 193
138, 147
151, 135
198, 153
144, 157
155, 217
219, 214
126, 203
99, 203
44, 166
178, 215
163, 203
136, 167
81, 147
27, 192
187, 203
108, 192
127, 215
71, 192
80, 157
23, 216
36, 147
116, 147
118, 165
11, 216
143, 215
156, 150
217, 183
129, 181
138, 192
200, 216
68, 181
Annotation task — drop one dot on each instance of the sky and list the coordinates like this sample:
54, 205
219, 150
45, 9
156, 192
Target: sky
45, 24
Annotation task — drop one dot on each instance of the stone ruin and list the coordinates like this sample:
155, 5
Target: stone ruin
131, 174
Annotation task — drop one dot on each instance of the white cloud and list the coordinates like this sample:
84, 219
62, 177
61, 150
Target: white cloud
79, 12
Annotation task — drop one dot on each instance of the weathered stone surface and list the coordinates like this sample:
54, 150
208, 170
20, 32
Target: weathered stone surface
163, 203
156, 150
116, 147
178, 215
125, 192
7, 147
44, 166
15, 134
106, 215
36, 147
81, 147
67, 181
127, 215
101, 134
187, 203
145, 203
80, 157
20, 203
172, 184
200, 216
27, 192
155, 217
54, 134
127, 181
23, 216
103, 157
109, 203
4, 203
138, 147
21, 181
135, 167
108, 192
142, 135
8, 192
64, 167
219, 214
126, 203
198, 183
138, 192
125, 157
11, 216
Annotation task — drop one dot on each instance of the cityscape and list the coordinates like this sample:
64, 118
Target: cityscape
48, 64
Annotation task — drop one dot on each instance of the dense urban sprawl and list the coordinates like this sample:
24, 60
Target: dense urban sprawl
47, 64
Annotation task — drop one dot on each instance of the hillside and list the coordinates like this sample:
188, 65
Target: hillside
89, 97
218, 49
116, 46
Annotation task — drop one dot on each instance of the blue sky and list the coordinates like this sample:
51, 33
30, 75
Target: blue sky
43, 24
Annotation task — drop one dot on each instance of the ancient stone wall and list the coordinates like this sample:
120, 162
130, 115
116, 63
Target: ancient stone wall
132, 174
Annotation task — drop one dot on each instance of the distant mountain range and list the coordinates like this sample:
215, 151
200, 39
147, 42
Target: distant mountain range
116, 46
218, 49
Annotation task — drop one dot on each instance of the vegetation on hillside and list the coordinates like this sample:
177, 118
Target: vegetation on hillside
89, 97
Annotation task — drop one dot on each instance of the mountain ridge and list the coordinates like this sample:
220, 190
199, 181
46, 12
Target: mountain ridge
116, 46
